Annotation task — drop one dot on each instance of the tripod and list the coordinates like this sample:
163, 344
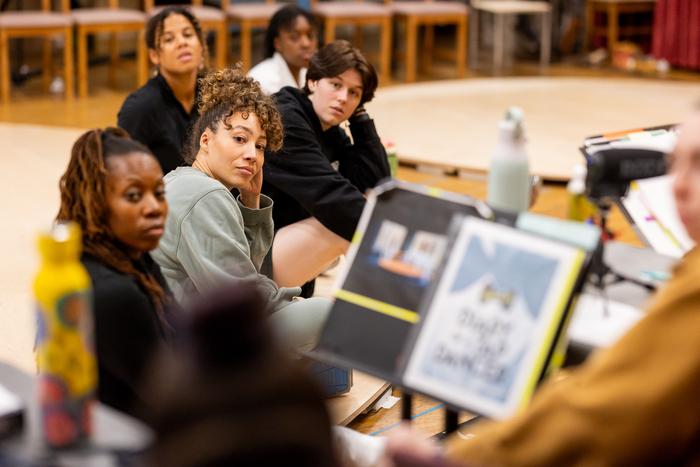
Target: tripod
603, 275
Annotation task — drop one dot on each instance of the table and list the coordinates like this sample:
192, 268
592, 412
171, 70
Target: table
628, 261
117, 438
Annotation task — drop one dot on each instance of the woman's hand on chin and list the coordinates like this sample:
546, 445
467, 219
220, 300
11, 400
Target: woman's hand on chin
250, 194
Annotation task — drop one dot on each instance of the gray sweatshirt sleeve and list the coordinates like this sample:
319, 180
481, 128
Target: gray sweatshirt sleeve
259, 228
214, 249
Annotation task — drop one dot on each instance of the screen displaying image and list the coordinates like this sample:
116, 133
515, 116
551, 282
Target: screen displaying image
416, 258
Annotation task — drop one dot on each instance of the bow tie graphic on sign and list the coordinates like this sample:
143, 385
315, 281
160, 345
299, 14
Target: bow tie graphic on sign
490, 293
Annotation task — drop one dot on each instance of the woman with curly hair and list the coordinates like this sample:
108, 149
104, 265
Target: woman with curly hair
161, 111
113, 188
214, 239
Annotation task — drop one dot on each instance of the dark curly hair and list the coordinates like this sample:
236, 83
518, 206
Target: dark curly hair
284, 19
83, 201
336, 58
154, 28
225, 93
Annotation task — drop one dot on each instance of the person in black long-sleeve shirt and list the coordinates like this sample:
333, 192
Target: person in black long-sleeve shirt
160, 112
113, 188
318, 178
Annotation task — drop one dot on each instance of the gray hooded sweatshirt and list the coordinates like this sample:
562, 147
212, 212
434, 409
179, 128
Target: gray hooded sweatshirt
212, 240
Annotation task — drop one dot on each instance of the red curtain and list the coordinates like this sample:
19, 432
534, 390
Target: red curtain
677, 32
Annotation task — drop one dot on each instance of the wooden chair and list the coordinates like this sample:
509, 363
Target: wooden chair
210, 19
504, 11
249, 16
113, 20
613, 9
358, 13
429, 14
44, 23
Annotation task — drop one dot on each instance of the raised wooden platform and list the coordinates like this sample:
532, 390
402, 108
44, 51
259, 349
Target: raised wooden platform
451, 125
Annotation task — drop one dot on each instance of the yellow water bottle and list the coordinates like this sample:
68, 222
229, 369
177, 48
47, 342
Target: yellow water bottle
580, 209
65, 348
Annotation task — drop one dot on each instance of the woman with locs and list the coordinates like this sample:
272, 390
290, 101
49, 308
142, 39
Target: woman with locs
113, 189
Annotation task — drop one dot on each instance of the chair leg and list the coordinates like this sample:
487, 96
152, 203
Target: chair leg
589, 25
385, 50
613, 26
473, 38
246, 45
498, 43
113, 59
141, 63
221, 46
68, 63
144, 67
329, 31
462, 48
4, 68
509, 42
46, 69
426, 59
82, 63
546, 42
357, 39
411, 46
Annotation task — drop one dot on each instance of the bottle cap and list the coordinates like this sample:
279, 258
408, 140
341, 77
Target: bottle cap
580, 172
63, 242
576, 186
516, 115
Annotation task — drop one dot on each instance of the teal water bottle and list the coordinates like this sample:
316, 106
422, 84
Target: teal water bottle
509, 175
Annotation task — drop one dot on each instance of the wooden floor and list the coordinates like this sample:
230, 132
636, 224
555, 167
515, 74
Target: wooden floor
30, 204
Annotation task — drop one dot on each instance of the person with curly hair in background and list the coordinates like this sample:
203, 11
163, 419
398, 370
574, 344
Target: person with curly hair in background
318, 179
290, 41
214, 239
161, 111
113, 189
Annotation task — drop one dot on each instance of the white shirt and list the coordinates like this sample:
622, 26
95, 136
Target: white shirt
273, 74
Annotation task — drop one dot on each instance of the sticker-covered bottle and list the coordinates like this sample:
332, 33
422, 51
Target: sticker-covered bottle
65, 349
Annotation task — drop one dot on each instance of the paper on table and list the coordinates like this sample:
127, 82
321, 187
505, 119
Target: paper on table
665, 142
390, 402
657, 194
649, 227
9, 402
592, 326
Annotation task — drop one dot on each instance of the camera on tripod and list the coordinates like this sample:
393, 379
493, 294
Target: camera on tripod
611, 171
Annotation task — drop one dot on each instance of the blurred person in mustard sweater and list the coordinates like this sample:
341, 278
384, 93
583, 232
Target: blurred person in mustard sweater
634, 404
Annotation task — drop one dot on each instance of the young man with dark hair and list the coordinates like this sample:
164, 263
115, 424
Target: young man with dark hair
318, 178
